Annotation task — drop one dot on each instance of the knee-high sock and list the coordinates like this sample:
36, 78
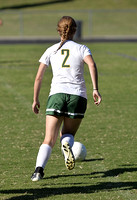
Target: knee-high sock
67, 138
43, 155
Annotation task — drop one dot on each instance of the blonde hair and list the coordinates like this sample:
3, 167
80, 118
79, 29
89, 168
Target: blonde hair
66, 28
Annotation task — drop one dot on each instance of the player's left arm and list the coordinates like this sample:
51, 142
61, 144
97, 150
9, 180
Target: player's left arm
37, 86
94, 77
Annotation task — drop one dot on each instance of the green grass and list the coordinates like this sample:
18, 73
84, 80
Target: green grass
35, 18
64, 5
43, 24
107, 131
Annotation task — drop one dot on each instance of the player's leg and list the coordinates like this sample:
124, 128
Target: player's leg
70, 125
52, 129
69, 129
53, 124
76, 107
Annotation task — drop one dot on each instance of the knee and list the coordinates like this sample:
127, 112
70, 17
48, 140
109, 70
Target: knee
50, 143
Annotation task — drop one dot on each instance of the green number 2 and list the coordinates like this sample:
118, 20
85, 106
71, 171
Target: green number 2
66, 52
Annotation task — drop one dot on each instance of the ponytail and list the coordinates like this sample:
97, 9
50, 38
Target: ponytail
66, 28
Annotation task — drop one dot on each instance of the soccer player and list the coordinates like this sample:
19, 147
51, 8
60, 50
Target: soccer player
67, 100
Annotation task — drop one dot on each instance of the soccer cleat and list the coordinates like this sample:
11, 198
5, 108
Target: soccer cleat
38, 174
69, 157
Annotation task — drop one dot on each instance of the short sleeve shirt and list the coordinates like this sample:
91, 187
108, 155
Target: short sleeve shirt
68, 67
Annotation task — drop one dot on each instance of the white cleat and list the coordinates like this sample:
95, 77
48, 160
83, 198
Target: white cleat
69, 157
38, 174
36, 177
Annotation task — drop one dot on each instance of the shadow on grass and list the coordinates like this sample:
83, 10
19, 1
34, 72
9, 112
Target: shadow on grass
108, 173
47, 192
115, 172
34, 4
91, 160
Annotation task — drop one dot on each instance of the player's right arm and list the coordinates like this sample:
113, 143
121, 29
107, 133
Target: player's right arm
37, 86
94, 77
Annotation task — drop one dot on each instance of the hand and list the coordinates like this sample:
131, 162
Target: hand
36, 107
97, 97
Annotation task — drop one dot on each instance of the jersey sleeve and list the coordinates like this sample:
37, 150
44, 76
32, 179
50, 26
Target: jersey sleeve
85, 51
45, 58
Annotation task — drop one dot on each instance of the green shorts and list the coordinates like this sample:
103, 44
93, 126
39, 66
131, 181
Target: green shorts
68, 105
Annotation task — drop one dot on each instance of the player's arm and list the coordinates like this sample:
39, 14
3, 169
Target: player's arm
37, 86
94, 77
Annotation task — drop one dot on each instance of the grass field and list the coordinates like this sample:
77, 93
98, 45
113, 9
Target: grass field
38, 18
108, 131
65, 4
41, 23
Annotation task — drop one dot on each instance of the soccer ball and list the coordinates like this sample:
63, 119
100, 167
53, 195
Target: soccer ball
79, 151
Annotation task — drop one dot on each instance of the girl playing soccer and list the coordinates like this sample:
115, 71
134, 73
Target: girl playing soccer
67, 99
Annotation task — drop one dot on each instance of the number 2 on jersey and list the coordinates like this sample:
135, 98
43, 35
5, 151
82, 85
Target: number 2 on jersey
66, 52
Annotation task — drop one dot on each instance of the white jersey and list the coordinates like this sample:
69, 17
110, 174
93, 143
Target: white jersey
68, 67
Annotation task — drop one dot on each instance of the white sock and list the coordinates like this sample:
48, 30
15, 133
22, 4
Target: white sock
67, 138
43, 155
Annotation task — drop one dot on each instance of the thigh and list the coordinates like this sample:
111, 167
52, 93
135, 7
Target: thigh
70, 126
53, 124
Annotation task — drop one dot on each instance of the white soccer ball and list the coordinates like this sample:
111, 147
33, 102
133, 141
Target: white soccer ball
79, 151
